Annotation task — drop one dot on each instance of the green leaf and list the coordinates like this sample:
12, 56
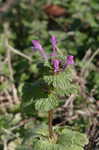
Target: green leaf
5, 121
36, 132
62, 79
81, 139
46, 104
24, 147
62, 82
67, 139
47, 145
76, 138
31, 93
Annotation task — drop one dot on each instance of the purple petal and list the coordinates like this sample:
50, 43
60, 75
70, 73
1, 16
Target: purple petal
69, 61
53, 42
56, 64
38, 46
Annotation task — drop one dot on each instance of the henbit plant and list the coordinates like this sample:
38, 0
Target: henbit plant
55, 80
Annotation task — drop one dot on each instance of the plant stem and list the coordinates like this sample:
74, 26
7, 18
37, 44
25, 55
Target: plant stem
50, 118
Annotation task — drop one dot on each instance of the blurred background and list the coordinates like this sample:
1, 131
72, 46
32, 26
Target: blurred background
75, 23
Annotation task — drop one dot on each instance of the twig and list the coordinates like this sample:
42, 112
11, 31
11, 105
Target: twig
69, 100
88, 62
94, 54
68, 119
11, 76
19, 53
87, 55
16, 99
22, 123
5, 144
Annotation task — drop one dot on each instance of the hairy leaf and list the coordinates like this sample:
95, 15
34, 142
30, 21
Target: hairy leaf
46, 104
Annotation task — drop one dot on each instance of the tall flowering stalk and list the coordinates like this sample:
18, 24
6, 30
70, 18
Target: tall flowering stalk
55, 63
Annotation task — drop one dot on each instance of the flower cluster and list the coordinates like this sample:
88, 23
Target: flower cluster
54, 60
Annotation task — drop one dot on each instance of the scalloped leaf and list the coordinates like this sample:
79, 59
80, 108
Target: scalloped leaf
46, 104
70, 89
62, 82
75, 137
66, 140
24, 147
47, 145
58, 79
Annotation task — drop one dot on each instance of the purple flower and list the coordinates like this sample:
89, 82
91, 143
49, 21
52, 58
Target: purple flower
69, 61
38, 46
53, 42
56, 64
